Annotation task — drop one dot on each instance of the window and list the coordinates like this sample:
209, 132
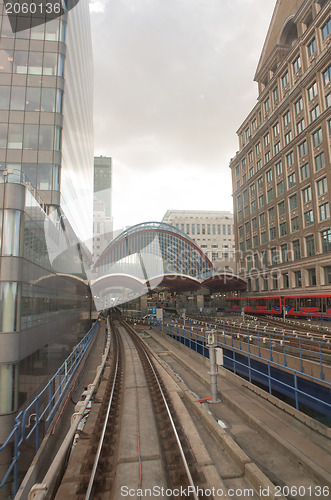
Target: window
301, 126
268, 176
247, 133
285, 79
272, 233
304, 171
296, 65
310, 245
267, 105
288, 137
250, 156
261, 201
312, 277
324, 211
283, 229
243, 163
251, 172
327, 76
275, 94
281, 208
254, 223
321, 186
266, 139
271, 214
238, 184
295, 224
289, 159
262, 219
291, 180
306, 194
326, 240
275, 129
311, 47
267, 157
255, 241
285, 280
317, 137
328, 100
245, 194
254, 124
260, 183
244, 179
302, 149
279, 168
298, 106
277, 148
296, 250
319, 161
246, 211
327, 275
273, 256
314, 112
293, 202
275, 282
286, 118
308, 218
312, 91
258, 165
297, 279
270, 194
263, 237
258, 148
253, 206
326, 28
240, 230
280, 188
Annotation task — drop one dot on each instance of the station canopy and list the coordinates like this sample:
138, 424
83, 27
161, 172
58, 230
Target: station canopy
154, 256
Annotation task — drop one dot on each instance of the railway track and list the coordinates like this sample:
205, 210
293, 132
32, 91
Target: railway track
297, 336
135, 439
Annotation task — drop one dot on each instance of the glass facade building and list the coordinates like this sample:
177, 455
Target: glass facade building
46, 198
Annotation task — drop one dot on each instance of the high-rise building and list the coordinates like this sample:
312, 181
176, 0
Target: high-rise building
102, 211
281, 175
212, 231
46, 193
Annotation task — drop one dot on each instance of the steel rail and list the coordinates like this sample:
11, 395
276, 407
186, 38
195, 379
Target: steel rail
187, 469
98, 453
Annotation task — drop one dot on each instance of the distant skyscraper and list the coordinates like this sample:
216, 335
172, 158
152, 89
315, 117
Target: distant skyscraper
281, 175
102, 214
46, 188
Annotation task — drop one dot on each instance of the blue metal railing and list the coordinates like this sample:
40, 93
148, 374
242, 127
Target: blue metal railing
307, 348
241, 360
44, 406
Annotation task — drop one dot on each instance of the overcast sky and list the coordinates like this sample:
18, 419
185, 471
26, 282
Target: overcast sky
173, 83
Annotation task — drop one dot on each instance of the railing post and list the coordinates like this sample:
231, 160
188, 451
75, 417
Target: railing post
269, 378
320, 353
258, 343
285, 362
271, 358
296, 391
37, 424
300, 354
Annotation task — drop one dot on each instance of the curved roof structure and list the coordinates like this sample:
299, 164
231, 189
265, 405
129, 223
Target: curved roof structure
154, 255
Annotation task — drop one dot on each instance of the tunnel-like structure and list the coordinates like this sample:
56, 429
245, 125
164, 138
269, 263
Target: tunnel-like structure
153, 255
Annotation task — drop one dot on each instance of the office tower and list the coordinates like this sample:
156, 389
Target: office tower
281, 175
46, 199
212, 231
102, 211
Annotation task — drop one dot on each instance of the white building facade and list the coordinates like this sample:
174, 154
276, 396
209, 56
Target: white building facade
212, 231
